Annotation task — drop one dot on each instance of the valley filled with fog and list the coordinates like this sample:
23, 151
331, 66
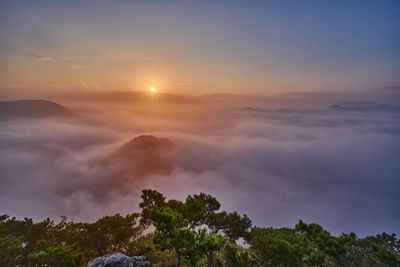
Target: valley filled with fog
276, 159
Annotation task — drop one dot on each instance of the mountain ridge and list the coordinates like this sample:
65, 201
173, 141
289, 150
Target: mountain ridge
33, 108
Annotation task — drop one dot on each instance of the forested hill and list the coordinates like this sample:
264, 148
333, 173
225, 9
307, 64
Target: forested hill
194, 232
33, 109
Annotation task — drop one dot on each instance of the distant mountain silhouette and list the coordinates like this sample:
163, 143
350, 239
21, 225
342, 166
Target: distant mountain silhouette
364, 106
252, 109
33, 109
135, 97
146, 143
145, 154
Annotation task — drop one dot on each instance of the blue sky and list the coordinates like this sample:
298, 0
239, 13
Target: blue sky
207, 46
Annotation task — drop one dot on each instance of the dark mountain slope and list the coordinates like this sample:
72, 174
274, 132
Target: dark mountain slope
33, 109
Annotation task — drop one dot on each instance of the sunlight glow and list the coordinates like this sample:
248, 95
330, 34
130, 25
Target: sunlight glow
152, 90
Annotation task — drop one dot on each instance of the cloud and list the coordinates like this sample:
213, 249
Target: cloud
68, 61
44, 58
277, 165
28, 53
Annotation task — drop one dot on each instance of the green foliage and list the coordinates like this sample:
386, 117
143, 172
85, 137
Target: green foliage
113, 233
171, 233
207, 243
45, 243
11, 250
150, 199
279, 247
193, 232
330, 245
55, 255
199, 208
379, 250
194, 229
144, 245
237, 256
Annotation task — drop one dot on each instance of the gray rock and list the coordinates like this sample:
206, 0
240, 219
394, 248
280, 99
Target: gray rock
119, 260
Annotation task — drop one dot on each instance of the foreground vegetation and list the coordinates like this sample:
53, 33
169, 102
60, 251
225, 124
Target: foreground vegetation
190, 233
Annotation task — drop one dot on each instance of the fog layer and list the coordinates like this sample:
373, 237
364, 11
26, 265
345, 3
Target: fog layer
276, 162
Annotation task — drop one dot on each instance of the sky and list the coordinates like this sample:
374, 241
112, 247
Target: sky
196, 47
242, 108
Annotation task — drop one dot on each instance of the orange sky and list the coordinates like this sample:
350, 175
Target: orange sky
196, 48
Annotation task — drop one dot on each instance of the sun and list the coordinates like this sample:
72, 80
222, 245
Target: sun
152, 90
153, 93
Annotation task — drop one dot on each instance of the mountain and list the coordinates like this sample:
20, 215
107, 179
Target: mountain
145, 154
145, 143
364, 106
33, 109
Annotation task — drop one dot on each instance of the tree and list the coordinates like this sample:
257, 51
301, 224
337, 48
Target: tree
208, 243
55, 255
11, 250
198, 225
113, 233
144, 245
150, 200
333, 247
193, 232
237, 256
379, 250
231, 224
172, 233
279, 247
198, 209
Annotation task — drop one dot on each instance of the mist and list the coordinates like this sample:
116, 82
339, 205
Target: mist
277, 162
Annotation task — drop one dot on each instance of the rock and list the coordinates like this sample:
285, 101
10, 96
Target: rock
119, 260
